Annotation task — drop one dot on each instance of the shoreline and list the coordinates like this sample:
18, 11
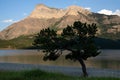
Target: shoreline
67, 70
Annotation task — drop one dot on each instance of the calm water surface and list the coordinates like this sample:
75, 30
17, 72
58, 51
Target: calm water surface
109, 59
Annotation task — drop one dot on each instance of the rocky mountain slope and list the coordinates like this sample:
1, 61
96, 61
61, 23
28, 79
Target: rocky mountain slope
43, 17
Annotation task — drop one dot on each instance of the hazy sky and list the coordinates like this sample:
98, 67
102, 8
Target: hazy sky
15, 10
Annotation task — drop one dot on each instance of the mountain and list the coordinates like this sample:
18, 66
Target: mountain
43, 17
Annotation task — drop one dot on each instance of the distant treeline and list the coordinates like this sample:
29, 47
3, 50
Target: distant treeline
107, 43
25, 42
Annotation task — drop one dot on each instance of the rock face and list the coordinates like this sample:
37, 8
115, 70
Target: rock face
42, 11
27, 26
44, 17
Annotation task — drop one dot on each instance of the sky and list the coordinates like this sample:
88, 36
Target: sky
12, 11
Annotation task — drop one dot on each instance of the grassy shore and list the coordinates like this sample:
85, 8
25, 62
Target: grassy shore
42, 75
17, 43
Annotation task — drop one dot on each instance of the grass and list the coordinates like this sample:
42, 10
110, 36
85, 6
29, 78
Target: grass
19, 43
42, 75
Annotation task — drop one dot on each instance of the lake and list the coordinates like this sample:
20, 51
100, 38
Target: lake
108, 59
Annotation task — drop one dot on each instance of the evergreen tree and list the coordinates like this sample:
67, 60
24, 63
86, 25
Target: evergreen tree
78, 39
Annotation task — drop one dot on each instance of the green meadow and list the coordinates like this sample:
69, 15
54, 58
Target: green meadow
42, 75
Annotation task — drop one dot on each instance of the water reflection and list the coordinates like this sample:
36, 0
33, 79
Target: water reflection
107, 59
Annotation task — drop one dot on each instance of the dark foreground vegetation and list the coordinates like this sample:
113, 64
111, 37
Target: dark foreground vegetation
42, 75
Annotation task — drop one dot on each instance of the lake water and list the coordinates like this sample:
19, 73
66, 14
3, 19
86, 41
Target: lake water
109, 59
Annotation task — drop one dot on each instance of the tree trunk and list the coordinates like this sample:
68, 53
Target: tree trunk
83, 67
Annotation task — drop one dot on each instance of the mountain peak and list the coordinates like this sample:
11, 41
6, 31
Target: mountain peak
42, 11
75, 10
74, 7
39, 6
